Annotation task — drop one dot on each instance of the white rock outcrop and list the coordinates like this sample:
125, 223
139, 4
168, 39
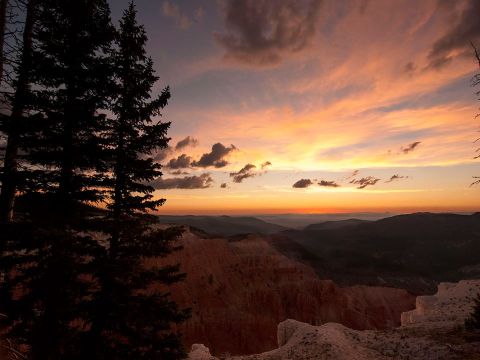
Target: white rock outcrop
449, 307
200, 352
304, 341
430, 332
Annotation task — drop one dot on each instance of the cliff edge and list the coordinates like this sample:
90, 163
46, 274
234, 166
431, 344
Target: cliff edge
433, 331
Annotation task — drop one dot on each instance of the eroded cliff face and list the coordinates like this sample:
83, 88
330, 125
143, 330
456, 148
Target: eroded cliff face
240, 290
433, 331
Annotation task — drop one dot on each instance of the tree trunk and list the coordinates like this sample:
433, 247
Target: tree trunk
66, 166
70, 123
10, 176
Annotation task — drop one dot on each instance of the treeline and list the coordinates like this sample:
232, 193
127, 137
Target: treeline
79, 135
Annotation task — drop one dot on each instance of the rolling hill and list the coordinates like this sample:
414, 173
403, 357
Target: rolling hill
413, 251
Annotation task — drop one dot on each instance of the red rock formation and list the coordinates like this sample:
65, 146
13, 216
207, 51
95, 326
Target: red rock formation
240, 290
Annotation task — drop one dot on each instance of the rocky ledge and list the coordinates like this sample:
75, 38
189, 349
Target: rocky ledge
434, 330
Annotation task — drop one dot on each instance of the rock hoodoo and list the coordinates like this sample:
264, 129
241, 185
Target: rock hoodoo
240, 289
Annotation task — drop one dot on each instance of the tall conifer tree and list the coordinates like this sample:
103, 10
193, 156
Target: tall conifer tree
73, 71
13, 126
134, 314
82, 297
49, 251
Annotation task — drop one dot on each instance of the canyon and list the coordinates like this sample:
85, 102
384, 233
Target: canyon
432, 331
240, 288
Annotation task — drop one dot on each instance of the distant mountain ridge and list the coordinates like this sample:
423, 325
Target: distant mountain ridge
267, 224
413, 251
224, 225
335, 224
300, 221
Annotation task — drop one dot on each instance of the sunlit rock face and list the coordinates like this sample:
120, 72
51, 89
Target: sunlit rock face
449, 307
434, 333
239, 290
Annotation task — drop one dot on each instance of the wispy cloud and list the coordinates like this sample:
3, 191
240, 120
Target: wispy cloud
455, 41
178, 172
183, 21
352, 92
188, 141
172, 10
326, 183
302, 184
162, 154
246, 172
182, 162
364, 182
395, 178
262, 33
265, 165
410, 147
353, 174
216, 157
202, 181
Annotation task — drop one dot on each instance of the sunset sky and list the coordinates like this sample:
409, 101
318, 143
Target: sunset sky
309, 106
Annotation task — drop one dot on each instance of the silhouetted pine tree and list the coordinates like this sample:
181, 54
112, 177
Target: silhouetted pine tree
134, 315
13, 125
473, 322
49, 256
69, 295
72, 72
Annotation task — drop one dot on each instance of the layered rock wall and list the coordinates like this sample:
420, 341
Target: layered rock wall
240, 290
432, 331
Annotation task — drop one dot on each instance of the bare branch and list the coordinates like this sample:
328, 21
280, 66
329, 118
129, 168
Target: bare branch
476, 53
